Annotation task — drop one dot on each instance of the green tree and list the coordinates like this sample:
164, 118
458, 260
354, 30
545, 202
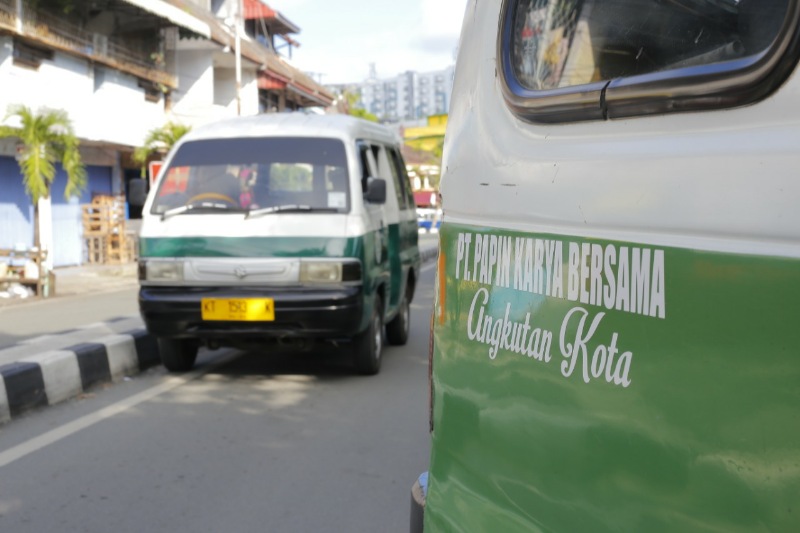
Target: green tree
352, 100
46, 138
159, 141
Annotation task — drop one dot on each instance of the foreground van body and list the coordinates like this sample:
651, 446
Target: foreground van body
288, 228
615, 339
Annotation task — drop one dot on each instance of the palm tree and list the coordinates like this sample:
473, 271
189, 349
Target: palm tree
46, 138
159, 140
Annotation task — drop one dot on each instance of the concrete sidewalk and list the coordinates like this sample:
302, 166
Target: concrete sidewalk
84, 279
43, 363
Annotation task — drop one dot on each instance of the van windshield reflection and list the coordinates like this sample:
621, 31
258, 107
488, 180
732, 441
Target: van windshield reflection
255, 176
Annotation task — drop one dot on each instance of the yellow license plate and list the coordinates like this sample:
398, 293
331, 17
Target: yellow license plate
239, 309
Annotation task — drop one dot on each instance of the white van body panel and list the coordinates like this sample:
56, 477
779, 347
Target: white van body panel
713, 214
237, 225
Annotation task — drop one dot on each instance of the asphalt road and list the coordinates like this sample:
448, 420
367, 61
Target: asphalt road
247, 442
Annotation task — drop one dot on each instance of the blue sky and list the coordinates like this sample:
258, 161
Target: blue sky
340, 38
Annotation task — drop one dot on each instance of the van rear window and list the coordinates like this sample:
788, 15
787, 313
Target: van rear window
245, 174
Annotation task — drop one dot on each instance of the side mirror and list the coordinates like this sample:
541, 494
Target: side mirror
137, 192
376, 191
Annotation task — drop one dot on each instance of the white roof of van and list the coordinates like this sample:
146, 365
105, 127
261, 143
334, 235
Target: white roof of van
294, 125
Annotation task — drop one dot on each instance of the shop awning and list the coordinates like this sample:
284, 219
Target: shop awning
173, 14
268, 83
277, 71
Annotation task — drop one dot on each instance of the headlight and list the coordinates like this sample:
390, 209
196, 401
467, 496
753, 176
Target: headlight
320, 272
165, 271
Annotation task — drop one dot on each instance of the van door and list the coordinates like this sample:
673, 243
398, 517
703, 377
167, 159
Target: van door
375, 246
392, 230
405, 239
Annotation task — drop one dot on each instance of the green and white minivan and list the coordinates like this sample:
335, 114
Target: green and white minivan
615, 337
287, 229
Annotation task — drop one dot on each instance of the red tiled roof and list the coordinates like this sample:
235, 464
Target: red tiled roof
254, 9
278, 24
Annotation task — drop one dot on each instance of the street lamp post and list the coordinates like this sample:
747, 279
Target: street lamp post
19, 16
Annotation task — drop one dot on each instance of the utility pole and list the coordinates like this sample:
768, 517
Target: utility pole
238, 22
19, 16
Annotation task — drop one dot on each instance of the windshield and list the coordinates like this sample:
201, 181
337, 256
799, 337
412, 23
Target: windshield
250, 174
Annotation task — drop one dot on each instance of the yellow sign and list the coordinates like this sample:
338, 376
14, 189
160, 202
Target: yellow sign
239, 309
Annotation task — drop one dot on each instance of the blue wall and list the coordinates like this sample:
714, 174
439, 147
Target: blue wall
16, 211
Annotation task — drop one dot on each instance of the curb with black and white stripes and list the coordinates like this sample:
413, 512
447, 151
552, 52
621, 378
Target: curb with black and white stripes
54, 376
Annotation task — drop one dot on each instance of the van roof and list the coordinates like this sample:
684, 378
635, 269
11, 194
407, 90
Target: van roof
294, 125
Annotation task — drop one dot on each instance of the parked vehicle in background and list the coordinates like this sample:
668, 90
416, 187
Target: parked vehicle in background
429, 219
286, 228
614, 341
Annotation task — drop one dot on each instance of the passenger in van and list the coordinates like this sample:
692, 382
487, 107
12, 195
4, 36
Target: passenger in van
247, 179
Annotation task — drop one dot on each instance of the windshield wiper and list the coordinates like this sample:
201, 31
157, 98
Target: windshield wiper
291, 208
198, 205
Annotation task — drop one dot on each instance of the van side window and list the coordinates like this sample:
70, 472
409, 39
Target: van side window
400, 175
385, 169
368, 166
631, 57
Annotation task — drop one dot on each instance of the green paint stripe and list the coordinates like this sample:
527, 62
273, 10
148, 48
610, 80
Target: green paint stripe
703, 437
250, 247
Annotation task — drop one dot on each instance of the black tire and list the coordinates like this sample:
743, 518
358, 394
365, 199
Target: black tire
368, 346
397, 328
178, 355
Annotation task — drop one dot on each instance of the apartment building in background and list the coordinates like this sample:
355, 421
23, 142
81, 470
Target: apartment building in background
121, 68
408, 96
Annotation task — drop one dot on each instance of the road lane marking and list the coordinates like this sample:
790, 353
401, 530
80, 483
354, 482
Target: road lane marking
54, 435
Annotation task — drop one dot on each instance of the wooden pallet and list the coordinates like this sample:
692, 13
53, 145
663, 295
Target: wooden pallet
109, 249
104, 231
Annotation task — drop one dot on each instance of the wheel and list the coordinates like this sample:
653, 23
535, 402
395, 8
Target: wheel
369, 344
178, 355
397, 328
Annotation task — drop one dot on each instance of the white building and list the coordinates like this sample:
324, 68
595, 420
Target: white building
121, 68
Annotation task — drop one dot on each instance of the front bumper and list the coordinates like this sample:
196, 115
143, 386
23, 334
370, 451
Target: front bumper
300, 312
